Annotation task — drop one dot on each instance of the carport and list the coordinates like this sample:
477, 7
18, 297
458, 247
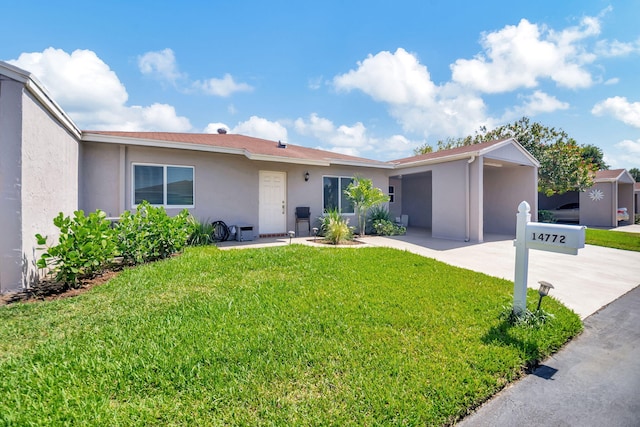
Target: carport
612, 189
465, 192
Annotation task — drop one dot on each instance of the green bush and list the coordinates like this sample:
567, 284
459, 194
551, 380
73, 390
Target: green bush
546, 216
384, 227
377, 213
151, 234
637, 219
86, 246
335, 228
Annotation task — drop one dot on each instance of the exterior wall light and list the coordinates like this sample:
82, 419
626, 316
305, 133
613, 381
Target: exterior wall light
545, 287
292, 234
306, 176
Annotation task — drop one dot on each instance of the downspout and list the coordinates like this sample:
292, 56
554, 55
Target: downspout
467, 230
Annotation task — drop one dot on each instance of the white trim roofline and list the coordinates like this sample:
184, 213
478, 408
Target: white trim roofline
468, 154
145, 142
38, 90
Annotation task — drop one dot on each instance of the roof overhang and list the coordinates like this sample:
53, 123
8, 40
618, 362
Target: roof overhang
469, 155
123, 140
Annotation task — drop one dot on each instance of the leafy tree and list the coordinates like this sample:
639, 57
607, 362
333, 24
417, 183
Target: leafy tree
635, 173
594, 155
562, 166
364, 196
423, 149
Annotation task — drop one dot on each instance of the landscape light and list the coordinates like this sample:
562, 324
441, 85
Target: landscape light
543, 291
315, 233
292, 234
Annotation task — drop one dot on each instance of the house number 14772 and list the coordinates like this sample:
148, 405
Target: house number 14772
551, 238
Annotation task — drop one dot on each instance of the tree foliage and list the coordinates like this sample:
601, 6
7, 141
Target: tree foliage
564, 165
635, 173
364, 196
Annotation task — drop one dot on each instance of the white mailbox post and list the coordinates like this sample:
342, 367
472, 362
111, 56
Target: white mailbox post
566, 239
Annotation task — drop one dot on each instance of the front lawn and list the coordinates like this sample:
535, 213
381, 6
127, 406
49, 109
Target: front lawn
613, 239
292, 335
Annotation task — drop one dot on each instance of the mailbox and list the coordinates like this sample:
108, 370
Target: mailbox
566, 239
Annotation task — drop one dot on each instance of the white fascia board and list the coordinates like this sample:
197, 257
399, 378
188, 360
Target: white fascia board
279, 159
343, 162
437, 160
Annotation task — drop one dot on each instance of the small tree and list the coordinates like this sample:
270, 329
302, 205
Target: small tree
635, 173
364, 196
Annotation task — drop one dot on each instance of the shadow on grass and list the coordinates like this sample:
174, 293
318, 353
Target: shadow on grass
505, 334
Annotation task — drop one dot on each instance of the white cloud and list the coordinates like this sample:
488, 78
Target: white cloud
93, 96
536, 103
619, 108
394, 78
519, 56
161, 64
223, 87
420, 106
78, 81
259, 127
626, 154
616, 48
612, 81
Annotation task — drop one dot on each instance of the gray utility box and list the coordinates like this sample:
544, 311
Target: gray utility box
244, 233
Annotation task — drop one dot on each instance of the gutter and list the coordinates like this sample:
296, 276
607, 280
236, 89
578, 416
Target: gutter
467, 230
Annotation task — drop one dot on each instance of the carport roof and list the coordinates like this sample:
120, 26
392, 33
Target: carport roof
613, 175
462, 153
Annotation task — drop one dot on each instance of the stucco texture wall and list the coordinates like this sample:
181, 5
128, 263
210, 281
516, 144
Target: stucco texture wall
10, 185
49, 178
226, 186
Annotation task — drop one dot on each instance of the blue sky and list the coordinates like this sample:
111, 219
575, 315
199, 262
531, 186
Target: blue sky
368, 78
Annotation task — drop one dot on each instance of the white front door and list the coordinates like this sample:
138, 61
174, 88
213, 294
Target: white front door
272, 208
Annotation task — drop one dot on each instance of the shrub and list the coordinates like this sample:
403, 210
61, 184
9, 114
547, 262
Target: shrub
201, 233
384, 227
86, 245
377, 213
335, 228
546, 216
637, 219
151, 234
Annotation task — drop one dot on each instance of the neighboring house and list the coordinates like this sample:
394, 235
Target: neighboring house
611, 189
47, 166
636, 197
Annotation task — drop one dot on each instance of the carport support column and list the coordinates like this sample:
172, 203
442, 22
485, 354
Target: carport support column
522, 259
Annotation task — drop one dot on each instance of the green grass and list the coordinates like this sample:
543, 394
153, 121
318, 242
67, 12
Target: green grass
613, 239
292, 335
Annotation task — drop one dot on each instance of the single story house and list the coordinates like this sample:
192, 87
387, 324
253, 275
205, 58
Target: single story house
48, 165
598, 204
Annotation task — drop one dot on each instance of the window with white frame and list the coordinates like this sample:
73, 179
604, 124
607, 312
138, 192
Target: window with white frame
333, 194
163, 185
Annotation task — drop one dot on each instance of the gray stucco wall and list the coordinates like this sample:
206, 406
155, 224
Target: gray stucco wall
505, 189
599, 213
10, 185
449, 200
38, 179
226, 186
49, 178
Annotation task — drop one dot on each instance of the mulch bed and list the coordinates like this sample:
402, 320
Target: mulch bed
48, 290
